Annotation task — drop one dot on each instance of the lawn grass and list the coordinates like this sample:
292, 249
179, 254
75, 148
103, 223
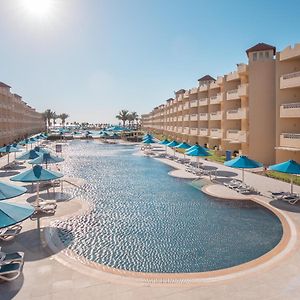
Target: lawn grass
217, 158
283, 177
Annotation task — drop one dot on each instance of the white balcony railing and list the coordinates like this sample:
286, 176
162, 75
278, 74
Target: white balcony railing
236, 135
194, 117
179, 118
186, 130
194, 103
232, 76
203, 87
232, 94
203, 101
179, 108
186, 118
290, 140
290, 110
217, 115
290, 80
194, 90
186, 106
203, 116
216, 99
236, 114
194, 131
203, 131
243, 90
216, 133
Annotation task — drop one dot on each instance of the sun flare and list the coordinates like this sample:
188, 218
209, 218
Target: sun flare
40, 8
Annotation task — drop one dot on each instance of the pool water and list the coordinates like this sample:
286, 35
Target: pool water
147, 221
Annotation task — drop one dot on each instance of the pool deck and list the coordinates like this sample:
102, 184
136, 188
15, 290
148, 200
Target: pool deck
48, 275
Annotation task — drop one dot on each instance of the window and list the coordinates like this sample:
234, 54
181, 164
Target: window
255, 56
267, 54
261, 55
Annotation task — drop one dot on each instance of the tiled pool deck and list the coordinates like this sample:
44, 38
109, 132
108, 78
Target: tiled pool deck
48, 275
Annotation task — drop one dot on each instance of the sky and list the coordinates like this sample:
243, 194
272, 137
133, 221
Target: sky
92, 58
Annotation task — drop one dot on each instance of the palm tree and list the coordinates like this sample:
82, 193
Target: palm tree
54, 117
130, 119
123, 116
48, 115
135, 116
63, 118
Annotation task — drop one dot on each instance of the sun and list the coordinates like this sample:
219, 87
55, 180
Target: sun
40, 8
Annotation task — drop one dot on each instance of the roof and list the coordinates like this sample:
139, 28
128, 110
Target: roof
18, 96
261, 47
181, 91
207, 78
170, 99
2, 84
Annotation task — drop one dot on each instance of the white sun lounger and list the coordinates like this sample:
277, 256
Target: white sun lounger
10, 232
10, 271
12, 257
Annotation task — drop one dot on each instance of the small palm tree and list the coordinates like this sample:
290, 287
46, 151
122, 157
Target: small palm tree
48, 114
135, 116
54, 117
63, 118
123, 116
130, 119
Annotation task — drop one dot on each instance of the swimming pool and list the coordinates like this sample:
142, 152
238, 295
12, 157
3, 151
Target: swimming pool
144, 220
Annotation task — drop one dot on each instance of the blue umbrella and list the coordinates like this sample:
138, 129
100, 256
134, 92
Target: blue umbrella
27, 142
9, 149
11, 214
164, 142
37, 174
8, 191
193, 147
31, 154
197, 151
289, 167
104, 134
148, 141
40, 149
147, 136
172, 144
46, 158
243, 162
183, 145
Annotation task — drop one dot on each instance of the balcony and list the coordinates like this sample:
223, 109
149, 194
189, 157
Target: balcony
186, 106
179, 118
194, 103
179, 129
290, 80
242, 68
290, 110
203, 88
186, 118
203, 132
290, 140
243, 90
236, 114
290, 52
203, 101
216, 99
216, 133
232, 76
194, 131
215, 116
180, 97
203, 116
186, 94
186, 130
232, 95
179, 108
220, 80
236, 136
194, 117
194, 90
214, 85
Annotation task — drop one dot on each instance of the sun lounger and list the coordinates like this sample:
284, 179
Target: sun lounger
46, 206
10, 232
291, 199
10, 271
6, 258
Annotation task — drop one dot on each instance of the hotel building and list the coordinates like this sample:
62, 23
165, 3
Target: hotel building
17, 119
254, 110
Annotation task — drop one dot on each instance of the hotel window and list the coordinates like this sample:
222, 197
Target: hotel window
261, 55
255, 56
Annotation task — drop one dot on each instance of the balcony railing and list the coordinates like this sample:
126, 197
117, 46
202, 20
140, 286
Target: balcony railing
194, 90
179, 118
290, 140
242, 68
194, 117
236, 135
236, 114
194, 131
203, 87
290, 80
216, 99
186, 94
203, 101
203, 131
232, 76
186, 130
216, 133
243, 90
179, 108
290, 110
194, 103
179, 129
214, 85
216, 115
186, 118
203, 116
186, 106
232, 95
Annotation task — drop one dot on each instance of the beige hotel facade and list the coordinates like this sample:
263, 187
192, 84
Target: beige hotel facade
254, 110
17, 119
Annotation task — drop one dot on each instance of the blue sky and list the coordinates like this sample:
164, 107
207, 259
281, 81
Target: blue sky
92, 58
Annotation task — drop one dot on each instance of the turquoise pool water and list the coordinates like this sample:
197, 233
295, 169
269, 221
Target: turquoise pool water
147, 221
